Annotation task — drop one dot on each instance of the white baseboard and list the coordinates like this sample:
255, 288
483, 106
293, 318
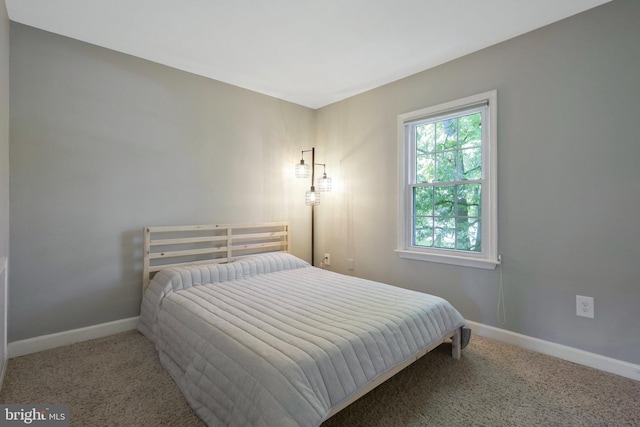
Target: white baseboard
45, 342
581, 357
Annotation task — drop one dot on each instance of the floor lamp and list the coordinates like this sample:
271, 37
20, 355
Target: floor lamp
312, 196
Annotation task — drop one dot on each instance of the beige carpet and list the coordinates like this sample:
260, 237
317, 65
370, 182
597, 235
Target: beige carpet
118, 381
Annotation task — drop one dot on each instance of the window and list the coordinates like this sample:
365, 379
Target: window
448, 206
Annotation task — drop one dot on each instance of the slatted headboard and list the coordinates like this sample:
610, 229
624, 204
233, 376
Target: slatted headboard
202, 244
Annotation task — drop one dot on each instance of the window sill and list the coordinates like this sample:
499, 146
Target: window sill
486, 264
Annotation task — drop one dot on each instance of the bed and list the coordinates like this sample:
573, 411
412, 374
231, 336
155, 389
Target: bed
253, 335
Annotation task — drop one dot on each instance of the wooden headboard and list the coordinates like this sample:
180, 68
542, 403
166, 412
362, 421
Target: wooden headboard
204, 244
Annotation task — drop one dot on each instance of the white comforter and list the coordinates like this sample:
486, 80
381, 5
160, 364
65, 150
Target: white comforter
270, 341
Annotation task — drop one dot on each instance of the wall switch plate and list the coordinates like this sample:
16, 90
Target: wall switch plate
584, 306
350, 264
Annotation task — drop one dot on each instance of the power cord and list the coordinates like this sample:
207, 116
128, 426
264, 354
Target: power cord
501, 313
322, 262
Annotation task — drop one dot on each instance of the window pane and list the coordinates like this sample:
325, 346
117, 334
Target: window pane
446, 166
468, 235
470, 130
445, 200
423, 201
471, 163
425, 138
425, 169
469, 198
446, 134
423, 231
444, 233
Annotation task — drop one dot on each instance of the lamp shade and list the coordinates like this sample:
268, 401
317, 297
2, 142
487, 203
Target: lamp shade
324, 183
312, 197
303, 170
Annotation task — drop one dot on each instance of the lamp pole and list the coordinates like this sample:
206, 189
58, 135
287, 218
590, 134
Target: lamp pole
313, 206
312, 196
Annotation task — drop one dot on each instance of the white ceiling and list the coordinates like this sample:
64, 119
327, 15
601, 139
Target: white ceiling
308, 52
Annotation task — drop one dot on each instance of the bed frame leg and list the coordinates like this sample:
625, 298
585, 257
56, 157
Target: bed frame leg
456, 343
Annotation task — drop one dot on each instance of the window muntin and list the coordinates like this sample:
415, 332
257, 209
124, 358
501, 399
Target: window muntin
448, 161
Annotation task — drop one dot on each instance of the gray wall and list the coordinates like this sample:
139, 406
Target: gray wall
103, 144
4, 165
4, 130
569, 201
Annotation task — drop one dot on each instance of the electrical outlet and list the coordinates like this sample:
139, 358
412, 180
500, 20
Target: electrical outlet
327, 259
584, 306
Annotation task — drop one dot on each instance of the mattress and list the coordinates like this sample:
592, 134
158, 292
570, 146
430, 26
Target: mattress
269, 340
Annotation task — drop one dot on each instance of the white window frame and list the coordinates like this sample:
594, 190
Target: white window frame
488, 258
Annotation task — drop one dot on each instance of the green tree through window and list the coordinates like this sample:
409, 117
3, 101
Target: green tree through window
447, 194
